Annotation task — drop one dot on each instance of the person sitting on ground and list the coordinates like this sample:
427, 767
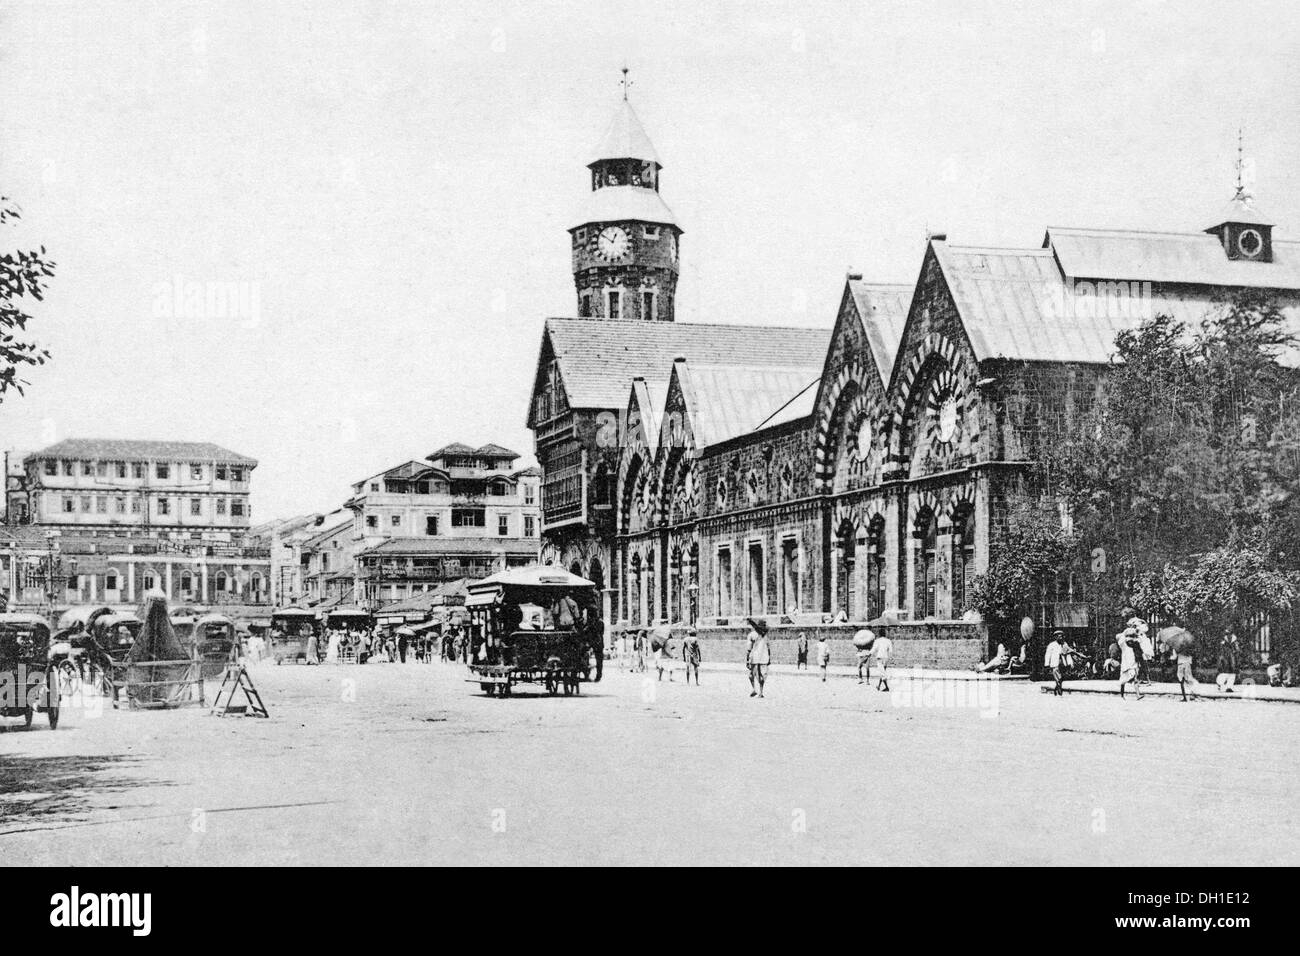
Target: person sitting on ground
997, 663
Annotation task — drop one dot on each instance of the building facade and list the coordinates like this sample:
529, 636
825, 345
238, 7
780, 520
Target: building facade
109, 520
141, 486
874, 475
463, 512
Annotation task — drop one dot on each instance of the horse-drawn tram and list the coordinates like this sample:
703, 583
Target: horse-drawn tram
533, 625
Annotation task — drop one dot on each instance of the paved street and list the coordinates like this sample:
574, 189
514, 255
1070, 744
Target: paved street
409, 764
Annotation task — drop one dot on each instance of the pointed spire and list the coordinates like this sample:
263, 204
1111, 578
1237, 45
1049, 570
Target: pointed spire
625, 83
625, 138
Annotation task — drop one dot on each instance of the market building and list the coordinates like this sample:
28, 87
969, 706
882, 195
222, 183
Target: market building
868, 471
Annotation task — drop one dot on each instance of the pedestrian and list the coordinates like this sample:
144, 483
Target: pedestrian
1229, 658
1185, 675
863, 641
758, 658
595, 636
1052, 661
883, 647
823, 655
801, 652
401, 647
691, 654
313, 649
1128, 666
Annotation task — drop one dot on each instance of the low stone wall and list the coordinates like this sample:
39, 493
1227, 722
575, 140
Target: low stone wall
942, 645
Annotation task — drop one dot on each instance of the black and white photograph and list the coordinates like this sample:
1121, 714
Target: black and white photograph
676, 434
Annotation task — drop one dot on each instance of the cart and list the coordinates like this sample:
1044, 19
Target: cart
30, 683
531, 625
291, 629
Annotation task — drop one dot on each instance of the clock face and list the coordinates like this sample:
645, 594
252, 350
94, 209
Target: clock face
949, 421
612, 243
1250, 242
865, 438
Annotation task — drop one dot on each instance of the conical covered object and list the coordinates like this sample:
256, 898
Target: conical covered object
154, 684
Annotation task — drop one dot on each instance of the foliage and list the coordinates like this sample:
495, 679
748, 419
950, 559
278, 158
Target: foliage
1186, 474
1033, 547
22, 274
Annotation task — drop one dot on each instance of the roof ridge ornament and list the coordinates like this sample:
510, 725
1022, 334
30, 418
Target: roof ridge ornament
625, 83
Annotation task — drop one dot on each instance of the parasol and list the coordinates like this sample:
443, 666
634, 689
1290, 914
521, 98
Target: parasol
1176, 638
758, 624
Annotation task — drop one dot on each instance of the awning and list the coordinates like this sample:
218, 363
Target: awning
482, 598
425, 627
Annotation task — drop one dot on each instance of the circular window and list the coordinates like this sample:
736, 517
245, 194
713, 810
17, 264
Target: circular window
866, 436
949, 418
1250, 242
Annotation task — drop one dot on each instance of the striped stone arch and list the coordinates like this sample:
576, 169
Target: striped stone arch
962, 499
922, 501
951, 379
854, 372
858, 513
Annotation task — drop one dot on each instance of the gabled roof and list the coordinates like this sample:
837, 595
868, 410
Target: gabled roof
1022, 303
115, 449
455, 448
599, 358
495, 451
882, 308
327, 533
625, 138
649, 402
622, 204
1194, 258
727, 401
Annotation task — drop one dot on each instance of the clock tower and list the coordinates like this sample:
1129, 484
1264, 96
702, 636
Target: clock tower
627, 241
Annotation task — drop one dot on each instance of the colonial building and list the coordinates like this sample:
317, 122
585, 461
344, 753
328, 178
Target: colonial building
724, 472
146, 486
463, 512
110, 520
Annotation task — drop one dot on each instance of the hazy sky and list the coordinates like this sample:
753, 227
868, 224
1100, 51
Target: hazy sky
386, 187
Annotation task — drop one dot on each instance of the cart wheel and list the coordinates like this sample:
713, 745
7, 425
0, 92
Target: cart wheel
28, 713
53, 715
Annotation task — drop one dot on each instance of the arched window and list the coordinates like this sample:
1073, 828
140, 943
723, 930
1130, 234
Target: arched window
187, 582
848, 548
221, 582
963, 559
255, 585
603, 495
876, 568
926, 568
634, 609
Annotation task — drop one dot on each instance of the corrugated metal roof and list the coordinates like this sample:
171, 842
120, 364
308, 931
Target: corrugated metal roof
623, 204
650, 400
1015, 303
625, 138
726, 401
114, 449
883, 309
1191, 258
599, 358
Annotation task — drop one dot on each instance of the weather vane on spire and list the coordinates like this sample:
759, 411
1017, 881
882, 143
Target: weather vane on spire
625, 83
1243, 174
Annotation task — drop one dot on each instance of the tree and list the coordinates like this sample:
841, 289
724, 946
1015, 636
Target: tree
22, 274
1032, 549
1185, 476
